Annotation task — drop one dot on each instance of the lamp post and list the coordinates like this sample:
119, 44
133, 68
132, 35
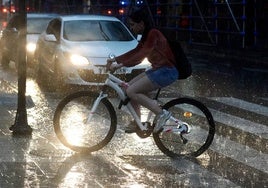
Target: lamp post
21, 126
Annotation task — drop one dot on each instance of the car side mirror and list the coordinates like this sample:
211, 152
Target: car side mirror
50, 38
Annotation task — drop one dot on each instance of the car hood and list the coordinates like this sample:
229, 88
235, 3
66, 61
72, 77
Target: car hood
98, 51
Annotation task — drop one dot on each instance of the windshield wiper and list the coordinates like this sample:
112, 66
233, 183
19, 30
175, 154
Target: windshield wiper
103, 34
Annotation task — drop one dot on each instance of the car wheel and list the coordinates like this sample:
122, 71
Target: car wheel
57, 79
38, 71
42, 77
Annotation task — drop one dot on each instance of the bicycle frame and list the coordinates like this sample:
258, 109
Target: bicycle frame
114, 83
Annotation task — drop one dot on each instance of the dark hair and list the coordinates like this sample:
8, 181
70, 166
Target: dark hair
139, 15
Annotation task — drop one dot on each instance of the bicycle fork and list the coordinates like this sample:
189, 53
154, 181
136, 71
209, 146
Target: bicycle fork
95, 105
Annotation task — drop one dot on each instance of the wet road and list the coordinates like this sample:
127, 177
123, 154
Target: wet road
238, 156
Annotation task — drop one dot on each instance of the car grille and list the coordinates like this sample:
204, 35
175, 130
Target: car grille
89, 76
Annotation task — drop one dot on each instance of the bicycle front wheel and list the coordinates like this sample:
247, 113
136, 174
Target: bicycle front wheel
202, 129
74, 128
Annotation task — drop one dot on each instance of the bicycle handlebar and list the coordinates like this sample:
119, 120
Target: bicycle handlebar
111, 57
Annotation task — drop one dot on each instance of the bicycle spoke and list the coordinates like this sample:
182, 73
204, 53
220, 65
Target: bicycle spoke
77, 132
201, 130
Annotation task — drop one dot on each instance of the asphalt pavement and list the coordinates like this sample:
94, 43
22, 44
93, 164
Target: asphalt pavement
40, 160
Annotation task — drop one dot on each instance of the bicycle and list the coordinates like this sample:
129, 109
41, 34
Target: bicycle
86, 121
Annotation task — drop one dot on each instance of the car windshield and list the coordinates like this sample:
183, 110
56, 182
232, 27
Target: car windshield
95, 30
37, 25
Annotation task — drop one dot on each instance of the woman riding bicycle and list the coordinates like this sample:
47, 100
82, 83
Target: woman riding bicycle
155, 47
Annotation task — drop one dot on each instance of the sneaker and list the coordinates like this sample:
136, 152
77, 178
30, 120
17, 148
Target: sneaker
161, 120
131, 127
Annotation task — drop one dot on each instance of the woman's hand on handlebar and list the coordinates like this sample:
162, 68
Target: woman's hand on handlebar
109, 63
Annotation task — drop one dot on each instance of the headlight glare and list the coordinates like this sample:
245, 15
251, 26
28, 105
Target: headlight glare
78, 60
31, 47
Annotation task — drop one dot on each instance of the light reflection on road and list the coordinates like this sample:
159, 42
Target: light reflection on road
129, 160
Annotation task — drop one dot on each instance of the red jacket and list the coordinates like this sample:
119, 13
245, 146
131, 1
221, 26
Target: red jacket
155, 48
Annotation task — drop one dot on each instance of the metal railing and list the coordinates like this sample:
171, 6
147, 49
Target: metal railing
227, 23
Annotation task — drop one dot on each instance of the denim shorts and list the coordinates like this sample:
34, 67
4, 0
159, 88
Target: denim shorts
162, 76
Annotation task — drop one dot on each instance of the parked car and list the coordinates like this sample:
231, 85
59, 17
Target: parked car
73, 49
36, 24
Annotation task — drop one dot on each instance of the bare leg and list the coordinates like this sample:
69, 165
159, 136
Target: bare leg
135, 105
136, 78
139, 87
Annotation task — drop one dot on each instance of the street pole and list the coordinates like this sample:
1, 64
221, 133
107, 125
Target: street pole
21, 126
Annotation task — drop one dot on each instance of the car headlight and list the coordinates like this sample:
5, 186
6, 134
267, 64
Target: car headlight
78, 60
31, 47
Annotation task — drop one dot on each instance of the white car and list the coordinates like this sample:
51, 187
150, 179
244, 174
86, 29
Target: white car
36, 24
74, 49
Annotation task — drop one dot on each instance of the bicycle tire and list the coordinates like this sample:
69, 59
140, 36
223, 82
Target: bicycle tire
202, 131
71, 129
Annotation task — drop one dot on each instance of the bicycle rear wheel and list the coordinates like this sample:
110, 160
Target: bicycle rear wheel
71, 122
200, 136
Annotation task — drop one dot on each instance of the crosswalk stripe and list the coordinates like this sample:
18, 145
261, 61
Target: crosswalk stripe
241, 153
240, 123
252, 107
236, 122
237, 151
207, 177
234, 150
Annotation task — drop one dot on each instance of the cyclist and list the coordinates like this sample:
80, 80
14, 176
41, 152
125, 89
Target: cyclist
155, 47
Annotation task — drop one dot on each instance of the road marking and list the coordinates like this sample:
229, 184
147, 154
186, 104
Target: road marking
236, 122
240, 123
240, 152
263, 98
229, 148
252, 107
